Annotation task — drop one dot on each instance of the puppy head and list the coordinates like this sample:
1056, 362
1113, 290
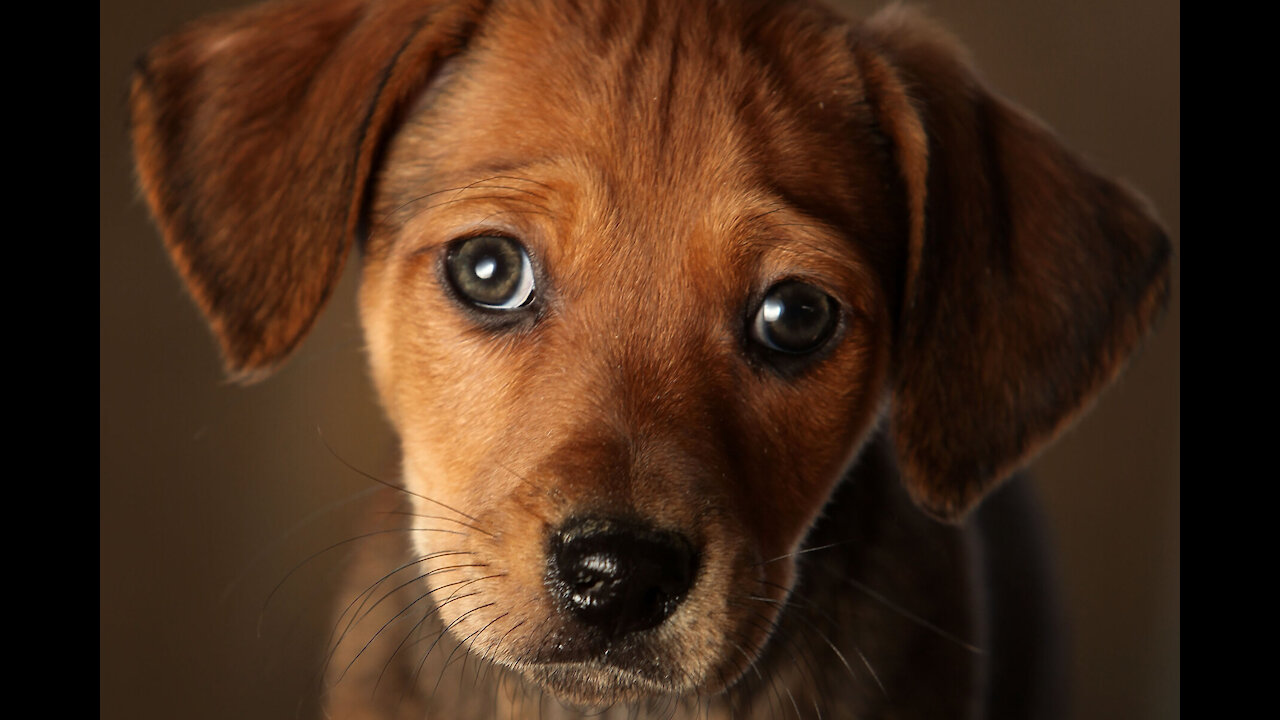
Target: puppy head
636, 205
639, 281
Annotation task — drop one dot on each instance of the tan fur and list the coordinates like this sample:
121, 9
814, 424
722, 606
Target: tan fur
663, 163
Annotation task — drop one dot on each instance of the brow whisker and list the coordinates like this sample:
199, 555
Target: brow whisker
387, 215
522, 179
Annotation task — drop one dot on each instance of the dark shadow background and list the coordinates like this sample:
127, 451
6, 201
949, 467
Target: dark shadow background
211, 493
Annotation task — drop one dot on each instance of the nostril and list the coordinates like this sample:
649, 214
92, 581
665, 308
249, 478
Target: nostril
620, 576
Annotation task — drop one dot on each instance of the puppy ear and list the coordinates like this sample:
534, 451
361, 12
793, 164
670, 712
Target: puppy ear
255, 135
1029, 277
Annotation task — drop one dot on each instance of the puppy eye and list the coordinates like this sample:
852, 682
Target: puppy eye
794, 318
491, 272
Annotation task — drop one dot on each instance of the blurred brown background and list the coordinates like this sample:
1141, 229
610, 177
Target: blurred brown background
211, 493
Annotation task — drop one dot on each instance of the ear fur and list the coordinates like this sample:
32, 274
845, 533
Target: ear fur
255, 134
1030, 278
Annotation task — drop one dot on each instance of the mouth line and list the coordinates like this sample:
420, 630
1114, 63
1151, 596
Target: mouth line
593, 683
625, 659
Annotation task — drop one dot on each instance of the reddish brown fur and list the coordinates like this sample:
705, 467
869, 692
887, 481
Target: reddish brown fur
663, 163
1021, 304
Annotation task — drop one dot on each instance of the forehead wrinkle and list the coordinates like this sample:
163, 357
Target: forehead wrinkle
619, 99
610, 111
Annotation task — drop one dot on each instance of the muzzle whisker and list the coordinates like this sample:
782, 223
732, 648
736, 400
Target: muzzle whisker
913, 617
491, 656
363, 536
397, 616
364, 595
905, 613
297, 527
407, 513
418, 672
794, 704
462, 673
449, 658
753, 665
825, 639
391, 485
808, 655
771, 629
730, 694
803, 551
390, 593
433, 611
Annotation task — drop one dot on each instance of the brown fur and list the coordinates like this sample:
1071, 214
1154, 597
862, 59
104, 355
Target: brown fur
664, 163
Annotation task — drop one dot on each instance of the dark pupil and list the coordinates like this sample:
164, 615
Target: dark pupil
486, 269
796, 317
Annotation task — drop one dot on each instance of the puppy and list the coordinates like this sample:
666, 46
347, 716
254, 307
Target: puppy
705, 326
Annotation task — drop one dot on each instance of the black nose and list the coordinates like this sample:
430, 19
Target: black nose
620, 576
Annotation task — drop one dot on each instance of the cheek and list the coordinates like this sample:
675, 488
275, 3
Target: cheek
804, 434
377, 320
446, 385
455, 401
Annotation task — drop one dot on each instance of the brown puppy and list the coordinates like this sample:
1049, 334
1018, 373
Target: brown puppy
650, 289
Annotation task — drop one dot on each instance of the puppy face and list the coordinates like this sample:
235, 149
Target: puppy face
634, 379
639, 280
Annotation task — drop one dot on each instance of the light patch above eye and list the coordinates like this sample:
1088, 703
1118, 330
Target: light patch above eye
491, 272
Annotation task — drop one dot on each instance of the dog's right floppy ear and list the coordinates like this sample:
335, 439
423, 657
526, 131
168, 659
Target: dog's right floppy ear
1029, 278
255, 135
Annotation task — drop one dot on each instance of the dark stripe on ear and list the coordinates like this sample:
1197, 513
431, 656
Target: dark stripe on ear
366, 197
458, 42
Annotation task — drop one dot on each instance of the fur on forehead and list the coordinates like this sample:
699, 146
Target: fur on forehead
780, 124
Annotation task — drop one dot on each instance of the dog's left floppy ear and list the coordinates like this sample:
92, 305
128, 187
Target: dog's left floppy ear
1030, 278
255, 135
